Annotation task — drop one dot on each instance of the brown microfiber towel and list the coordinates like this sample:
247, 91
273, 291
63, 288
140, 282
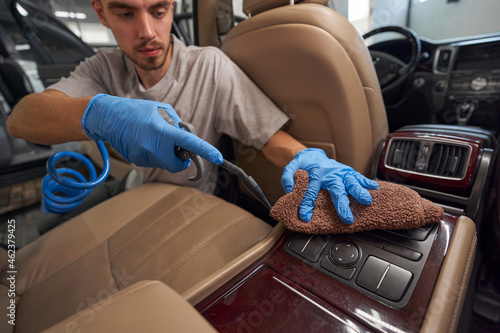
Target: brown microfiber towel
393, 207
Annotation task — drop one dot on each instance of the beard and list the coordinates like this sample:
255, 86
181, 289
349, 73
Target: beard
147, 64
151, 64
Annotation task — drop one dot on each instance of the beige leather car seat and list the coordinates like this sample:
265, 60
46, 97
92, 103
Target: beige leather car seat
176, 235
315, 66
214, 19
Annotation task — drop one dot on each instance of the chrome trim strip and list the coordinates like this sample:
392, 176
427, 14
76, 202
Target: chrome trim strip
308, 241
383, 277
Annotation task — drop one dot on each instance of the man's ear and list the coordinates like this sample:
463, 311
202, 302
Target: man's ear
96, 4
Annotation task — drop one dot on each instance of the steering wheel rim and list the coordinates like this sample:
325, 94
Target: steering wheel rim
397, 72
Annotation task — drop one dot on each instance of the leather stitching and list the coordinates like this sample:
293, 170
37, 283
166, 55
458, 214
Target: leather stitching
197, 249
166, 240
83, 277
146, 228
77, 257
462, 286
115, 284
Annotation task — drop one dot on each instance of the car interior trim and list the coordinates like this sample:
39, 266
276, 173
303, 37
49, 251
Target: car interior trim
214, 281
156, 308
451, 284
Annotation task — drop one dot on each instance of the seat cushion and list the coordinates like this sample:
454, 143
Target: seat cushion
163, 232
165, 310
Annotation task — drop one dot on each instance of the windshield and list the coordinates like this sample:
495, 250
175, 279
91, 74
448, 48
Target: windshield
431, 19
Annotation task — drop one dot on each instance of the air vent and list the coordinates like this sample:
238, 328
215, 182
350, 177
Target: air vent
435, 159
443, 61
403, 154
448, 161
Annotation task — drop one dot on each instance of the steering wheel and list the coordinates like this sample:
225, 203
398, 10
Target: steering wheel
391, 71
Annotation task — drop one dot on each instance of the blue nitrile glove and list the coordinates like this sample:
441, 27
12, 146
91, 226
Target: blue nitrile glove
137, 131
331, 175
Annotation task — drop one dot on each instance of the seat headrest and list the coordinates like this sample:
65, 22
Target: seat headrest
254, 7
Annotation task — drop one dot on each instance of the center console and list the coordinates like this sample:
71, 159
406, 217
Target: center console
380, 281
294, 289
467, 82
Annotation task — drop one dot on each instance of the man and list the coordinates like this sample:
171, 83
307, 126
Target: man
202, 84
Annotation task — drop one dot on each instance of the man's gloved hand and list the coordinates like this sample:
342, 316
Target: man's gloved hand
137, 131
331, 175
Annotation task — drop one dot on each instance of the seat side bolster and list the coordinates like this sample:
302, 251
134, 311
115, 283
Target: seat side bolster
447, 299
146, 306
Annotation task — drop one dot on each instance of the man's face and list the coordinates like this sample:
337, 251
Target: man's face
141, 28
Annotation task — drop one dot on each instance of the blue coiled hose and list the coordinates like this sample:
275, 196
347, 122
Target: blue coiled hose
61, 193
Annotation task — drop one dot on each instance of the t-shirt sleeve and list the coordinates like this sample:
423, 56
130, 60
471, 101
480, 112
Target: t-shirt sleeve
244, 111
86, 80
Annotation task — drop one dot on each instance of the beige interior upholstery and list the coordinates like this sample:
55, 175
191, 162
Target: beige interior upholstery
215, 19
162, 232
443, 312
254, 7
315, 66
146, 306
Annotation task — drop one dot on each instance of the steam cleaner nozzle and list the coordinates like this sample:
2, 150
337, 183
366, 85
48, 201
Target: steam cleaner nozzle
248, 181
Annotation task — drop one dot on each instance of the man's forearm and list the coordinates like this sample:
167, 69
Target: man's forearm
49, 117
281, 148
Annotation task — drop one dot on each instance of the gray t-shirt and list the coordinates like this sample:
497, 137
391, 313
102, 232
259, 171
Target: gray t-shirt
203, 86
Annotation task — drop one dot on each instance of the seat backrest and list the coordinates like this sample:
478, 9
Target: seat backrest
214, 19
315, 66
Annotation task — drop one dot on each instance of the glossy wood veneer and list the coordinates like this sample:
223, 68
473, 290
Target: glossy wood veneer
234, 304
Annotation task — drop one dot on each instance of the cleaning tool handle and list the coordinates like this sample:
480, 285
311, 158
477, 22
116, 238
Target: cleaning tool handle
182, 153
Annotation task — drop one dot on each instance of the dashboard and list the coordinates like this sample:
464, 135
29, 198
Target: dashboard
456, 83
467, 82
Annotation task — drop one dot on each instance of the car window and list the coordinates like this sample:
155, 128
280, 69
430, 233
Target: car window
61, 47
22, 46
430, 19
39, 37
81, 19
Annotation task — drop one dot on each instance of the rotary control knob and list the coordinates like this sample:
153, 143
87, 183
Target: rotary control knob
344, 253
479, 83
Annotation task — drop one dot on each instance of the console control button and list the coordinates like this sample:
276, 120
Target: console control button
395, 282
307, 246
418, 234
403, 252
345, 273
344, 253
384, 279
372, 273
478, 83
327, 264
